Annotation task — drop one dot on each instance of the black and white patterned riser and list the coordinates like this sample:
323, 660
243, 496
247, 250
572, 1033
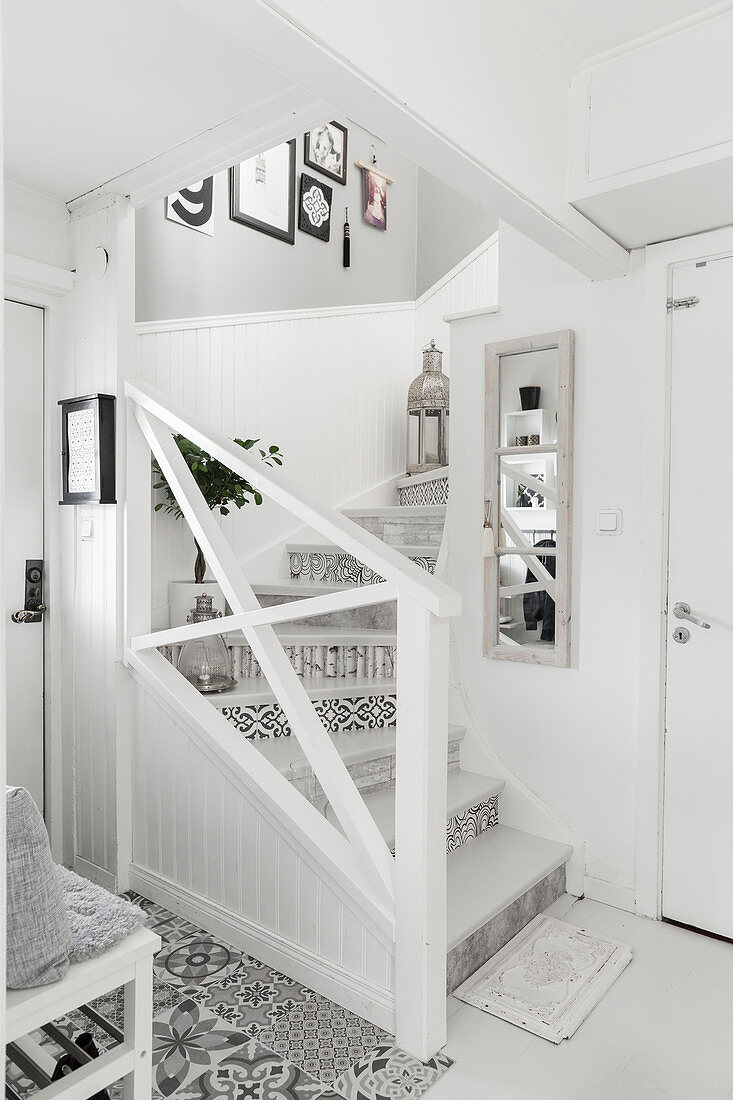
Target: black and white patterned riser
424, 492
471, 823
324, 661
359, 712
342, 568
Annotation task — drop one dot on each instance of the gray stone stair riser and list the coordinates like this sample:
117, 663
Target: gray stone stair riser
382, 616
417, 531
465, 958
341, 568
369, 776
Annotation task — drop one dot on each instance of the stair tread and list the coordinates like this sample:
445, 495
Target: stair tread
399, 511
491, 872
293, 586
422, 551
252, 690
301, 634
354, 748
464, 789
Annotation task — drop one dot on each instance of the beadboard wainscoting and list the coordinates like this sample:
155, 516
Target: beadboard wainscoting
329, 386
472, 284
202, 845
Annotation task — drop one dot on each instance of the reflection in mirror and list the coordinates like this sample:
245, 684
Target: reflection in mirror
528, 482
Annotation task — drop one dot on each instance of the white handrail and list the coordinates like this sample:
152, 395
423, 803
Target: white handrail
425, 589
366, 596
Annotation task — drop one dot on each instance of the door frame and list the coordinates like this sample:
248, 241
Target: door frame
660, 263
42, 286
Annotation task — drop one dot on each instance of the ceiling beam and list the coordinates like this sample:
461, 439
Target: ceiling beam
434, 137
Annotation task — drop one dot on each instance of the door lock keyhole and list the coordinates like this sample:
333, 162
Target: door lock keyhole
681, 634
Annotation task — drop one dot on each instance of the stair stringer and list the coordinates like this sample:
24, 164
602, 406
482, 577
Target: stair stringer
210, 844
521, 808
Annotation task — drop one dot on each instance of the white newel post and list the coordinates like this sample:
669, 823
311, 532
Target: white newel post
420, 816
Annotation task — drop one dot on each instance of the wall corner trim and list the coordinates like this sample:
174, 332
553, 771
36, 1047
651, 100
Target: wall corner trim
609, 893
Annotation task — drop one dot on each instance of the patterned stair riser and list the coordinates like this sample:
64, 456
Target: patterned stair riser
359, 712
470, 823
424, 492
343, 568
381, 616
332, 662
322, 661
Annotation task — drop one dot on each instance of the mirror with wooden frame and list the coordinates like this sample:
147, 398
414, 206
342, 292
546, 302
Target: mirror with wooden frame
528, 499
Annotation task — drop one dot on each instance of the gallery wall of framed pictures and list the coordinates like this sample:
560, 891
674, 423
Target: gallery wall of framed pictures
262, 190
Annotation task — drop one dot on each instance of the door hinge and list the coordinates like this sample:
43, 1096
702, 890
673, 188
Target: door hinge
682, 303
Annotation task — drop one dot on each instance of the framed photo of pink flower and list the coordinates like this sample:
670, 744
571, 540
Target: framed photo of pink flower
375, 198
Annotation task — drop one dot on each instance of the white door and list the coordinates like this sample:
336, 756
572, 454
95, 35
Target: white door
23, 541
697, 886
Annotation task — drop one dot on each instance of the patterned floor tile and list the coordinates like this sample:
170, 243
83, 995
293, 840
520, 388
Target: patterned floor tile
189, 1040
322, 1038
195, 962
254, 997
167, 925
387, 1073
253, 1073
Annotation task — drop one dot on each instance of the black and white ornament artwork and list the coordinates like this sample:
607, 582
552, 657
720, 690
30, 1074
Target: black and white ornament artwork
315, 207
193, 206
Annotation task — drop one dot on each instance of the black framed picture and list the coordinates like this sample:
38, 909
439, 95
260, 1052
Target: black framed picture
325, 150
315, 207
193, 206
262, 192
88, 449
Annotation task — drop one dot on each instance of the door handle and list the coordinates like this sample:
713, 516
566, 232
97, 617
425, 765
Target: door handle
29, 616
682, 611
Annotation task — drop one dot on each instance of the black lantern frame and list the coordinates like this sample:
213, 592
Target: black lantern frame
88, 449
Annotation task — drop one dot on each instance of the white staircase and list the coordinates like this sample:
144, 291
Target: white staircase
307, 813
499, 878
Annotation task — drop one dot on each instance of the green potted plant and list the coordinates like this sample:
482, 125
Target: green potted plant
221, 488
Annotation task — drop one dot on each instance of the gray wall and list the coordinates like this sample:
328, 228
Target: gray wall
449, 226
182, 273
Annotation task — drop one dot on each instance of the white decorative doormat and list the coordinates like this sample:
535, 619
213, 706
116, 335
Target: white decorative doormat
547, 979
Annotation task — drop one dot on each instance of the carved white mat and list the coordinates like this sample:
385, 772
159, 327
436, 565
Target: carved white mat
547, 979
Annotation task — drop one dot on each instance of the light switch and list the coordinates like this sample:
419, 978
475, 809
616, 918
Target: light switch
608, 521
87, 530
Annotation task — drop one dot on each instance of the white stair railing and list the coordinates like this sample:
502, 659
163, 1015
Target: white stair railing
406, 895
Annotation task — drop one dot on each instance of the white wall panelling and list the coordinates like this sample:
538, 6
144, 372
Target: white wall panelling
207, 845
98, 329
328, 386
471, 284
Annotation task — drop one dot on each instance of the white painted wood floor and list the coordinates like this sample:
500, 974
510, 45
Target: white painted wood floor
665, 1029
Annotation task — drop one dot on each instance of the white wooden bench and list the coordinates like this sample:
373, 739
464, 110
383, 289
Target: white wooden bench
129, 964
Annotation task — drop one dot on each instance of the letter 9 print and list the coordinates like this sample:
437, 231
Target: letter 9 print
193, 206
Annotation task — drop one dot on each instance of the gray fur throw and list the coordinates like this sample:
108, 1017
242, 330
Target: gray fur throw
98, 918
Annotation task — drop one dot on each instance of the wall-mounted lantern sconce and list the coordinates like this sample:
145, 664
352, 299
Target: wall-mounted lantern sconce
88, 449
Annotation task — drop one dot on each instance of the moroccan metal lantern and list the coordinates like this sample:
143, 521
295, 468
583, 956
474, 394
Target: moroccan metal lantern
428, 406
206, 662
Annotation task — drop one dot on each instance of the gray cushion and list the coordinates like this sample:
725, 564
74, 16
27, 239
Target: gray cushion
38, 931
98, 919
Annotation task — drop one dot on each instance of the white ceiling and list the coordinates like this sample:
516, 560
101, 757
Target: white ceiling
94, 89
593, 26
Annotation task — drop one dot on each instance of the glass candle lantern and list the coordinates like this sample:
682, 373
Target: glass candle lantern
428, 407
206, 662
